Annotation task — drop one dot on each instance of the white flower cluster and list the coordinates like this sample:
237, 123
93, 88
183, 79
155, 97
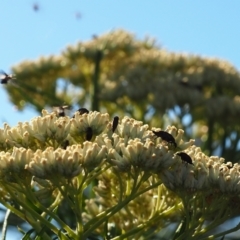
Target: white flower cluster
96, 121
36, 146
206, 173
55, 163
12, 165
38, 132
132, 146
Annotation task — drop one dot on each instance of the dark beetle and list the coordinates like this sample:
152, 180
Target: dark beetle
185, 157
115, 123
81, 111
89, 133
165, 136
65, 144
186, 84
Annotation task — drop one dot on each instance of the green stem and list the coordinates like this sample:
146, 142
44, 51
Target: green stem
223, 142
4, 228
209, 142
120, 186
28, 194
93, 175
150, 221
49, 211
95, 85
102, 217
31, 216
78, 212
222, 233
131, 232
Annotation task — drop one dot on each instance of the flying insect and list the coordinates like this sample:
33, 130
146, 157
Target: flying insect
165, 136
78, 15
35, 7
5, 78
185, 157
60, 110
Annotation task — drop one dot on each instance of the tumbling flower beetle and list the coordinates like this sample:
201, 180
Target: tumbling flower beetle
165, 136
115, 123
65, 144
185, 157
89, 133
81, 111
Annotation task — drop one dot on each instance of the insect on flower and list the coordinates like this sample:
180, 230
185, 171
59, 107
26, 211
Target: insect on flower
115, 123
89, 133
165, 136
65, 144
60, 110
81, 111
186, 84
5, 78
185, 157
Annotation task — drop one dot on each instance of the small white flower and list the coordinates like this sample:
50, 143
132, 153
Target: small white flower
52, 163
12, 165
129, 128
93, 155
81, 123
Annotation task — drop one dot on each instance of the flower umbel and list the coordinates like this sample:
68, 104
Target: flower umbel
126, 179
52, 163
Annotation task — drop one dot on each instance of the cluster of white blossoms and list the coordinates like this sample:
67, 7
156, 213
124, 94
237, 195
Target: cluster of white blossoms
64, 163
36, 147
80, 124
134, 164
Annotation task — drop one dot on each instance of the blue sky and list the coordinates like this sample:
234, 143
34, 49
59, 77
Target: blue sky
207, 28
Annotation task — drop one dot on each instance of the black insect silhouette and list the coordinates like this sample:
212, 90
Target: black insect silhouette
35, 7
185, 157
81, 111
89, 133
94, 36
186, 84
5, 78
165, 136
115, 123
78, 15
65, 144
